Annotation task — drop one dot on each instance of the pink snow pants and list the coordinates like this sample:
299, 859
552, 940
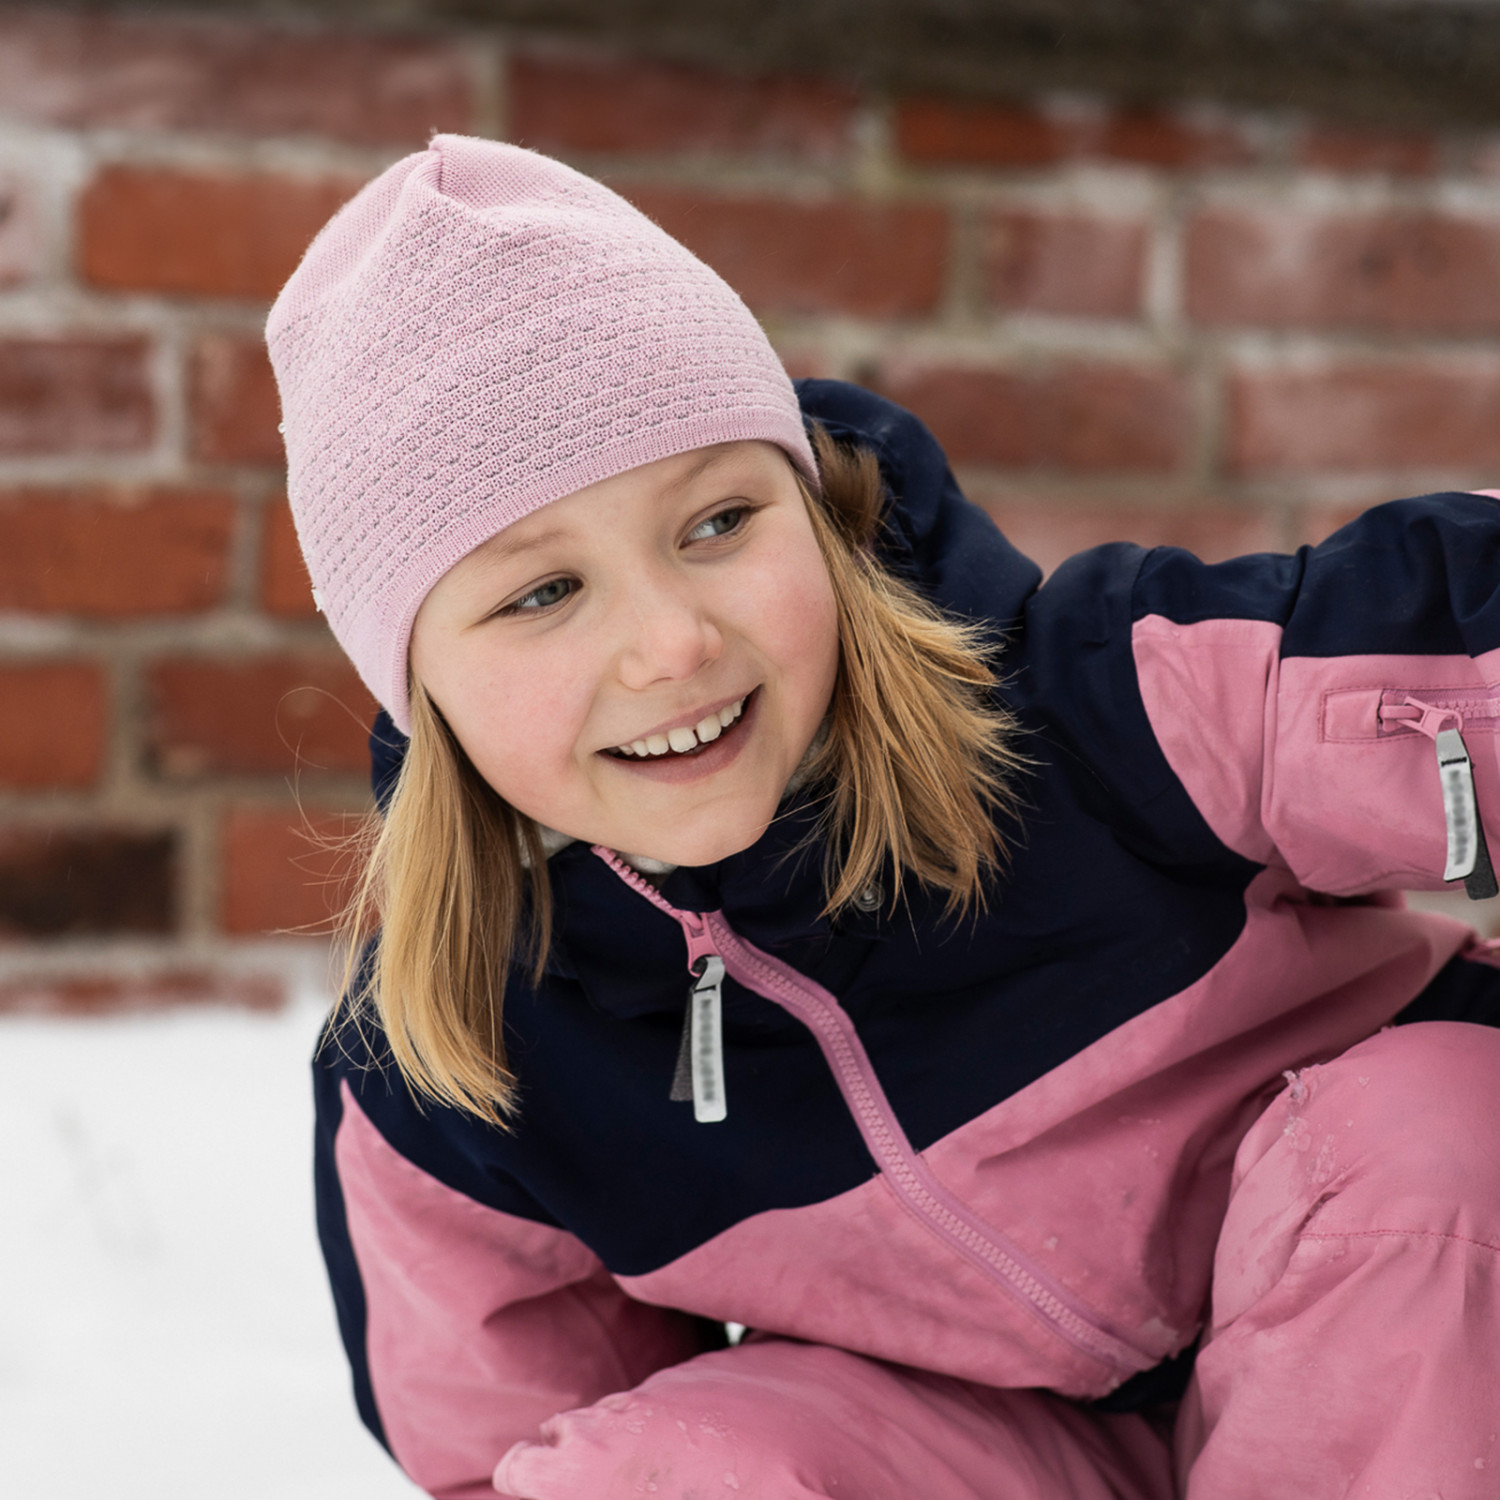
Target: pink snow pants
1353, 1345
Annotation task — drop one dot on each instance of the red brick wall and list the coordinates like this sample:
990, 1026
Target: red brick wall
1210, 328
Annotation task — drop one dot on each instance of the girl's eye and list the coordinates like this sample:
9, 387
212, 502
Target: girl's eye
719, 524
543, 596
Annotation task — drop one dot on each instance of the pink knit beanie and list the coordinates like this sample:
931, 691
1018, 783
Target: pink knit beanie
478, 331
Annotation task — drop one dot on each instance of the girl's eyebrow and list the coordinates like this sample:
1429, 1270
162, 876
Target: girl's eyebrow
506, 544
710, 458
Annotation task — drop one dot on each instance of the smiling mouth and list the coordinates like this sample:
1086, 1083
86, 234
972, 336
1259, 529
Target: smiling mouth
685, 741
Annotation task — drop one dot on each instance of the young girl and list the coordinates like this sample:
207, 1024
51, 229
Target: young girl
793, 916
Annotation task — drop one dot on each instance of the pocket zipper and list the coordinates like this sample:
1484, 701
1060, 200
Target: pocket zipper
1443, 722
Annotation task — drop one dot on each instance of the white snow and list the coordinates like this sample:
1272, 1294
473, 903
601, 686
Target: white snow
165, 1328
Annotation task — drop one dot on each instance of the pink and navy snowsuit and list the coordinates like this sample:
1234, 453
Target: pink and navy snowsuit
987, 1188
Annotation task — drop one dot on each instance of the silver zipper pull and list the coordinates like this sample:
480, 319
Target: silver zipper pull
707, 1041
1468, 853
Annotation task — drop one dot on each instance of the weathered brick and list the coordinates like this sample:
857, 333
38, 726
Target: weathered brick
850, 256
979, 133
21, 245
1398, 271
103, 552
808, 363
214, 234
1342, 149
152, 72
1065, 263
263, 715
285, 588
1079, 417
234, 403
1049, 532
86, 882
77, 394
985, 133
52, 721
105, 992
286, 871
1351, 417
1156, 138
560, 103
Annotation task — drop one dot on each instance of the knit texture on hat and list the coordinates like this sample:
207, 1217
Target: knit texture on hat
478, 331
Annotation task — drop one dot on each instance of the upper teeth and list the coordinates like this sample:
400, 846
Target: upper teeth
710, 727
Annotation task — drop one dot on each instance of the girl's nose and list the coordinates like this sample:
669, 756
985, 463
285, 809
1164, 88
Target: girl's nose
666, 638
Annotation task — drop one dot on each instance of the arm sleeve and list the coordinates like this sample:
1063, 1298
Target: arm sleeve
466, 1325
1297, 699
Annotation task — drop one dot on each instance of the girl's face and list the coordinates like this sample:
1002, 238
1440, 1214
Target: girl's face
681, 607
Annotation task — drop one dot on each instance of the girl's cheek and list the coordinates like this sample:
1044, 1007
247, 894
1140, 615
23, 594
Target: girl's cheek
547, 706
810, 613
793, 591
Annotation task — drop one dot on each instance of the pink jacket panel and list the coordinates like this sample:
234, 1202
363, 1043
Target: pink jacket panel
480, 1324
1293, 762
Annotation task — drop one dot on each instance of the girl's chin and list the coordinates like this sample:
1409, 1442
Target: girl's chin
714, 840
708, 851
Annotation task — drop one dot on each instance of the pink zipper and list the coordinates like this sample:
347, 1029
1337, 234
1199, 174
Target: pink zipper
916, 1189
1437, 709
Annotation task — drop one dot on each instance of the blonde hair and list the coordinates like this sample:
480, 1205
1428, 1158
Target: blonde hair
913, 773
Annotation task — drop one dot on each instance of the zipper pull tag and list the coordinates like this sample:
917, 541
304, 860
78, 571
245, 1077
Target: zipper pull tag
1468, 852
699, 1074
706, 1042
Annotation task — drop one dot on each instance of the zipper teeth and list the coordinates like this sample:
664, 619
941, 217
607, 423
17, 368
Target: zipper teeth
638, 883
895, 1158
1443, 698
1473, 711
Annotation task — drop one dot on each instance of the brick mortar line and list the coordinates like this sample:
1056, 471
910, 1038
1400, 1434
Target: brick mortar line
1081, 182
149, 802
245, 565
213, 153
302, 964
487, 55
1360, 487
199, 893
27, 305
227, 634
180, 333
962, 299
122, 778
999, 335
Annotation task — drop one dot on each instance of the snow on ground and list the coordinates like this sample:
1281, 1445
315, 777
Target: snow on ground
165, 1329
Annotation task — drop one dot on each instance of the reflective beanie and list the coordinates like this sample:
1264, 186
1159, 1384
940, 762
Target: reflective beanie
478, 331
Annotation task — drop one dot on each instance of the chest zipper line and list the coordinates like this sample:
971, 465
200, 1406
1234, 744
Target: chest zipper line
709, 936
1468, 851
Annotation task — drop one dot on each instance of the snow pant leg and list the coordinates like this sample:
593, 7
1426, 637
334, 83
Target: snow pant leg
1354, 1344
778, 1420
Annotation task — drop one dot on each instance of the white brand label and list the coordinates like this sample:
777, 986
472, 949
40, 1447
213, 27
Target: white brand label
1458, 804
709, 1103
